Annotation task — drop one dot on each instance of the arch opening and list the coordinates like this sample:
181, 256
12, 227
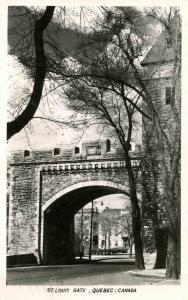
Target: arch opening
58, 218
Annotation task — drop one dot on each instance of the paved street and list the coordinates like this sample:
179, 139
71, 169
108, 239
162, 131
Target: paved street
101, 272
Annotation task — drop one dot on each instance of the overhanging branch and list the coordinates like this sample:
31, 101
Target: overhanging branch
22, 120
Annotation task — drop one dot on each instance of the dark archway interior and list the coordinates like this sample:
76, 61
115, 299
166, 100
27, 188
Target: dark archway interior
58, 238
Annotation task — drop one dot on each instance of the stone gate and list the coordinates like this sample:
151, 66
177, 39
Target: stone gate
47, 188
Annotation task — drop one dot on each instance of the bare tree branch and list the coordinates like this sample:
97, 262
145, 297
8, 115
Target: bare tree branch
19, 123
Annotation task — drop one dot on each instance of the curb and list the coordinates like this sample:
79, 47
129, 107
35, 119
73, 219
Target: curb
149, 275
168, 282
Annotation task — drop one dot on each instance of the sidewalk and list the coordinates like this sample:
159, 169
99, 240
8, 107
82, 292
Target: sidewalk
149, 272
156, 273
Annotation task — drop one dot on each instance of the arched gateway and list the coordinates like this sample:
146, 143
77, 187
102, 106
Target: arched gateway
57, 223
46, 191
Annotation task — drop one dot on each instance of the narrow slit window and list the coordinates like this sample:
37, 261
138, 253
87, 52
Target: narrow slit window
169, 42
77, 150
108, 146
57, 151
26, 153
168, 97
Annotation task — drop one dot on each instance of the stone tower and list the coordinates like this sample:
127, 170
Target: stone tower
163, 82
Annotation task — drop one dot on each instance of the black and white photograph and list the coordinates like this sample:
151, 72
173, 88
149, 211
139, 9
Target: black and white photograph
93, 149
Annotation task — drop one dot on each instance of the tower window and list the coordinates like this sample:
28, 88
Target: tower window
108, 146
169, 93
169, 42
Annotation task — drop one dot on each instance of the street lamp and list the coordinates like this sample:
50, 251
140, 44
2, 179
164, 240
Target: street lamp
82, 235
91, 231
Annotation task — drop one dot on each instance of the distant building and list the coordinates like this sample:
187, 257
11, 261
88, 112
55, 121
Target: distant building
109, 234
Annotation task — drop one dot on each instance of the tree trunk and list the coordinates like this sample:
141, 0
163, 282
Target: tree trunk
130, 246
173, 255
161, 237
105, 244
108, 242
174, 233
139, 259
136, 218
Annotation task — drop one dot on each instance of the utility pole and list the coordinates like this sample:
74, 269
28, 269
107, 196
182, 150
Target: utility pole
80, 18
91, 232
64, 12
82, 234
40, 218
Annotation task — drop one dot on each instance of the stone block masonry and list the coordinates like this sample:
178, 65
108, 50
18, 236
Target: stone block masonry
38, 179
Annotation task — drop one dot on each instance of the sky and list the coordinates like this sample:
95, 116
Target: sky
44, 134
41, 134
118, 201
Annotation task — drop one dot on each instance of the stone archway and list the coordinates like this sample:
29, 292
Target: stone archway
117, 186
57, 232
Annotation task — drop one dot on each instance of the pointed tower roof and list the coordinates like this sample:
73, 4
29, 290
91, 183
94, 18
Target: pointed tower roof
161, 52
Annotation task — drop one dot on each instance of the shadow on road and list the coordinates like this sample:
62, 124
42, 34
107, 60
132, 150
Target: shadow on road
118, 259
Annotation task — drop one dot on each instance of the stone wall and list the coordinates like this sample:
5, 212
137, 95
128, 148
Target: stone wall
56, 175
154, 210
23, 209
